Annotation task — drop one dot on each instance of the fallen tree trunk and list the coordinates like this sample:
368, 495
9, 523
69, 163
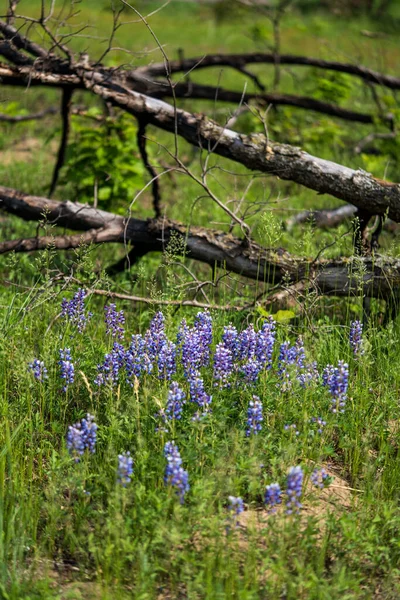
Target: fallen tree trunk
374, 276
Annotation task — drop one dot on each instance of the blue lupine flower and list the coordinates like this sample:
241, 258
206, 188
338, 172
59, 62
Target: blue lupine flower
203, 328
254, 416
236, 506
137, 360
309, 374
272, 496
82, 436
74, 310
67, 368
265, 343
230, 339
251, 370
155, 336
247, 343
114, 321
175, 475
294, 489
356, 341
320, 478
337, 380
38, 369
125, 468
114, 361
167, 360
223, 365
198, 394
175, 402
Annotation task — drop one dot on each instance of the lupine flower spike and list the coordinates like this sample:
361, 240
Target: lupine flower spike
175, 475
38, 369
356, 341
74, 310
114, 321
254, 416
82, 436
294, 489
320, 478
272, 496
67, 368
235, 507
125, 468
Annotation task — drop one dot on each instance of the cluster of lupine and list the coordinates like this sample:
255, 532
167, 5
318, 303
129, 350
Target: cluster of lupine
356, 341
336, 379
82, 436
294, 490
320, 478
235, 507
125, 468
67, 368
176, 400
74, 310
114, 320
254, 416
38, 369
175, 474
292, 366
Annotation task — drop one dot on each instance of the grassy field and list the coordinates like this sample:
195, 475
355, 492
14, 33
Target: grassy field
248, 399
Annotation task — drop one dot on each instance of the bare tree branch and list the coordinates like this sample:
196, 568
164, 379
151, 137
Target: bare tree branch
65, 116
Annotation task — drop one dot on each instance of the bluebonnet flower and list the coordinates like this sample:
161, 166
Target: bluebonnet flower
125, 468
292, 427
320, 423
82, 436
337, 380
114, 361
74, 310
114, 321
320, 478
67, 368
192, 353
203, 328
137, 360
235, 507
167, 360
272, 496
254, 416
308, 374
155, 336
175, 402
356, 341
223, 365
265, 343
175, 475
230, 339
247, 343
294, 489
38, 369
198, 394
251, 370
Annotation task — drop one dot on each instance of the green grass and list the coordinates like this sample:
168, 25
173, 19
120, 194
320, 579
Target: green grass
69, 530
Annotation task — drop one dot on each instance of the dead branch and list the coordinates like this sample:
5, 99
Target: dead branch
155, 184
65, 116
31, 117
376, 276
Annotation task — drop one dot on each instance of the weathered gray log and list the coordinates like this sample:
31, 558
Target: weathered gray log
376, 276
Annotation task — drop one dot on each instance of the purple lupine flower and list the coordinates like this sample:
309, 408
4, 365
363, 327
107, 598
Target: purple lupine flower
308, 374
320, 422
198, 394
356, 341
247, 343
38, 369
272, 496
82, 436
223, 365
292, 427
235, 507
230, 339
167, 360
114, 361
254, 416
183, 330
175, 475
67, 368
114, 320
137, 360
74, 310
175, 402
265, 343
155, 336
337, 380
294, 489
251, 370
125, 468
320, 478
291, 365
203, 328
